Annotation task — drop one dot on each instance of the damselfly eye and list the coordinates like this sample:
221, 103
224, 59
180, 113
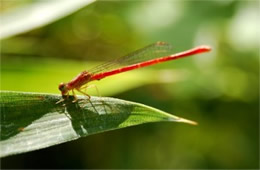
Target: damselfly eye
62, 86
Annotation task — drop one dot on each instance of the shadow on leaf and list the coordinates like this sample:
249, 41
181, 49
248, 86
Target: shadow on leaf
86, 116
95, 115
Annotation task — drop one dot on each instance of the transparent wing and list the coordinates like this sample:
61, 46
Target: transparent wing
156, 50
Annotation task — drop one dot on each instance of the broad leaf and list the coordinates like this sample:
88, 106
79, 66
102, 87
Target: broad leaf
31, 121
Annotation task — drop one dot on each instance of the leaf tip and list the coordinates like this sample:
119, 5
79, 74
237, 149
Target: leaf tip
182, 120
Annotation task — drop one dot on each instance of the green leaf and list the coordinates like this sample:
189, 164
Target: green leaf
37, 14
31, 121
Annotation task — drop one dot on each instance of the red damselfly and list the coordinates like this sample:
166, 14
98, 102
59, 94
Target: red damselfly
153, 54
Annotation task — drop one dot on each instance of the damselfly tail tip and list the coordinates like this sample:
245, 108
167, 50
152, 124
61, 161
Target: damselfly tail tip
204, 48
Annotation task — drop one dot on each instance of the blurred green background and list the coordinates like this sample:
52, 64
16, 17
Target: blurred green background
219, 90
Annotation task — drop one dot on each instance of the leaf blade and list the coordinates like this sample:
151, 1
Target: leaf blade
31, 121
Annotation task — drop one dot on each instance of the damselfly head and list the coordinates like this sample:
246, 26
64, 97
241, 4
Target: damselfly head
63, 88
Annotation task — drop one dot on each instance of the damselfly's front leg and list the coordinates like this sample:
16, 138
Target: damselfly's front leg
63, 99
